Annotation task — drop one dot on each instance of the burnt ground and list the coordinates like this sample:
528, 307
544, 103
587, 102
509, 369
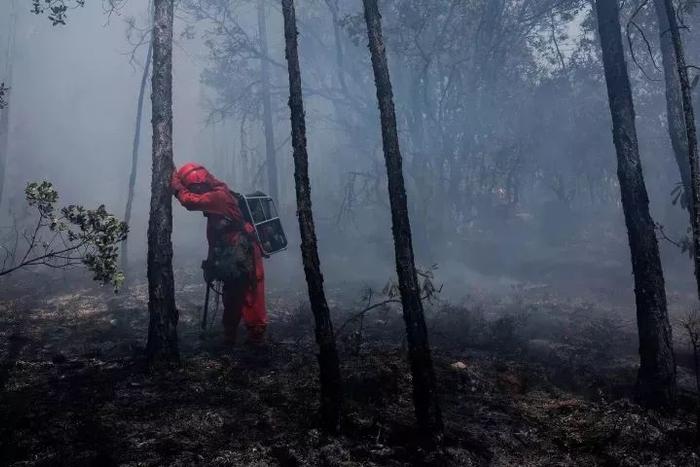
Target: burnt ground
527, 379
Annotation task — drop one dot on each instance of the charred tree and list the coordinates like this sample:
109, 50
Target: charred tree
7, 80
424, 387
688, 120
135, 151
692, 147
674, 100
162, 329
656, 382
271, 159
328, 355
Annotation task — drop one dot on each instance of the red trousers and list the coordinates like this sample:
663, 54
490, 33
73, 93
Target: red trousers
246, 299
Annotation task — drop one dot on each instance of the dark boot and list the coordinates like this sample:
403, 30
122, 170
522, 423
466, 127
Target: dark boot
256, 336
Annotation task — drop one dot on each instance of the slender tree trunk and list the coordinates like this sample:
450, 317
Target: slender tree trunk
135, 152
674, 100
692, 147
7, 79
424, 390
162, 329
656, 384
267, 105
328, 355
688, 119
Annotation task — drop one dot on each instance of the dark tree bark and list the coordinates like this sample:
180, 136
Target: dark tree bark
7, 79
135, 152
691, 139
424, 391
674, 99
328, 355
162, 329
692, 147
656, 383
271, 159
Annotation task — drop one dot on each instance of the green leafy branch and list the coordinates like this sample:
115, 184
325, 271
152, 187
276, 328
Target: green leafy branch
70, 237
56, 10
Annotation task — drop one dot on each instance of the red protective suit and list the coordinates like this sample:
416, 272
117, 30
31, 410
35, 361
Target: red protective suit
246, 299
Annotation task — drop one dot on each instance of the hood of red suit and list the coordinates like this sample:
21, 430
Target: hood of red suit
191, 174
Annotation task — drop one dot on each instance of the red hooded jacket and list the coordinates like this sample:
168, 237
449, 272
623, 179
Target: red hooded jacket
218, 203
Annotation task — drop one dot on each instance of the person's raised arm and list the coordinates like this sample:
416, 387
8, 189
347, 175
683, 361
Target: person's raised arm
209, 201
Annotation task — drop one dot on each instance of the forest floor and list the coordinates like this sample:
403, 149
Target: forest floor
527, 379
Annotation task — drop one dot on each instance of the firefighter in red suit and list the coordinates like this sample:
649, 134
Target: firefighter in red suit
198, 190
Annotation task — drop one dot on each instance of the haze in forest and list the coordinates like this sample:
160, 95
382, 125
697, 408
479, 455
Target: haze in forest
492, 215
530, 191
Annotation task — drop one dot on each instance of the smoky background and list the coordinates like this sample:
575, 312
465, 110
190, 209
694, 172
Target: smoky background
504, 126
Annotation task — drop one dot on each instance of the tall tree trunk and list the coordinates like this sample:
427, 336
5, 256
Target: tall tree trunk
688, 118
656, 383
162, 329
674, 100
692, 140
424, 391
7, 79
328, 355
271, 160
135, 152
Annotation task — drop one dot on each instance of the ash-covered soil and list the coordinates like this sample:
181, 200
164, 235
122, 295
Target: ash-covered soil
527, 379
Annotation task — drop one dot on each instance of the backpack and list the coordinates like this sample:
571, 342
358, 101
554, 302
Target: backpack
259, 210
229, 263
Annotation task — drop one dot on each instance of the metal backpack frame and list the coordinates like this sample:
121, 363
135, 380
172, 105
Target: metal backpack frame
271, 218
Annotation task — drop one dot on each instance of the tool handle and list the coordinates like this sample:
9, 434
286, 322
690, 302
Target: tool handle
206, 307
